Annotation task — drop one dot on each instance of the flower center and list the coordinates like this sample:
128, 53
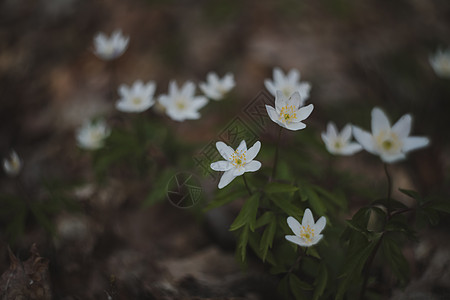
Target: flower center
238, 160
287, 114
137, 100
181, 104
388, 141
307, 233
338, 144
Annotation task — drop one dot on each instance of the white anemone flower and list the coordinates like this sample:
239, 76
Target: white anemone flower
288, 112
440, 62
108, 48
91, 135
307, 234
339, 142
390, 143
181, 104
288, 84
137, 98
236, 162
215, 88
12, 164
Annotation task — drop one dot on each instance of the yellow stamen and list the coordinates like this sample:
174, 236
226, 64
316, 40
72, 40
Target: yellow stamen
287, 114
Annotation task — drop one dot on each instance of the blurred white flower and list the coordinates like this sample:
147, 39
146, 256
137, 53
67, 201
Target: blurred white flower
215, 88
308, 233
288, 84
91, 135
236, 162
108, 48
288, 112
440, 62
181, 104
339, 143
137, 98
12, 164
390, 143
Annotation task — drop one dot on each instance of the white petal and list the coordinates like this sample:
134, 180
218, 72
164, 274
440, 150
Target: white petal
280, 100
252, 166
270, 86
242, 147
278, 75
227, 177
346, 132
403, 126
365, 139
304, 112
273, 115
320, 225
294, 225
308, 218
295, 100
221, 165
296, 240
295, 126
351, 149
379, 121
325, 138
332, 131
391, 158
415, 142
238, 171
293, 76
316, 239
253, 151
224, 150
188, 89
123, 90
198, 102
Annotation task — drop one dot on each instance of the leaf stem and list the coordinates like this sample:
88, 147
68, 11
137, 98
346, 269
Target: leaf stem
275, 163
246, 185
389, 188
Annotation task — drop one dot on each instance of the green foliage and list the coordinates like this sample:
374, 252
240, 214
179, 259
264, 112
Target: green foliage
247, 215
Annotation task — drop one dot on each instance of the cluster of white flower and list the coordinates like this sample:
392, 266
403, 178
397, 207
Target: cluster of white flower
180, 103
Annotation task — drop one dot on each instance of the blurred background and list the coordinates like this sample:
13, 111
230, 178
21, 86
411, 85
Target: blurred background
356, 54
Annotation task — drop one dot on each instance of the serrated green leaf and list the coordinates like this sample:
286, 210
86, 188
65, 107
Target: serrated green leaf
264, 219
242, 242
395, 259
287, 206
354, 266
267, 237
225, 199
254, 241
247, 215
311, 251
278, 187
315, 201
321, 282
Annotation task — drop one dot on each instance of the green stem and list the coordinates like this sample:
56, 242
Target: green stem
367, 267
389, 188
275, 163
246, 185
299, 258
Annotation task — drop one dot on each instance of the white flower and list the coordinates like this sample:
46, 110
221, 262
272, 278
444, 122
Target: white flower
108, 48
92, 135
288, 84
215, 88
440, 62
136, 98
181, 104
13, 164
288, 112
390, 143
339, 143
236, 162
308, 233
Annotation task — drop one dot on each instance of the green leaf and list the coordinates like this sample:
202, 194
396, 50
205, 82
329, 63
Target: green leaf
287, 206
315, 202
267, 237
264, 219
225, 199
298, 287
277, 187
311, 251
441, 206
242, 242
413, 194
395, 259
354, 266
254, 241
321, 282
336, 198
247, 215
